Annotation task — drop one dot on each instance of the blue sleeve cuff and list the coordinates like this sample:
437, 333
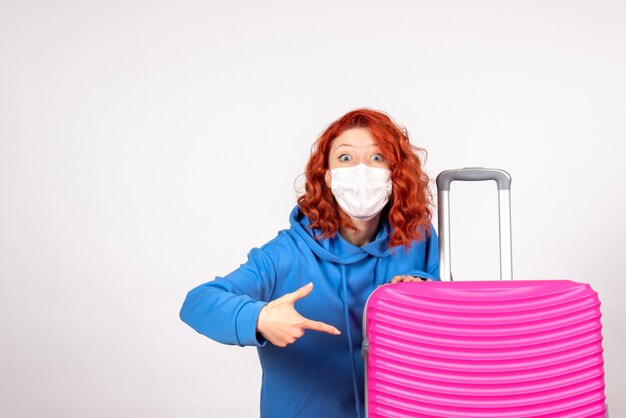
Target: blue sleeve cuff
246, 324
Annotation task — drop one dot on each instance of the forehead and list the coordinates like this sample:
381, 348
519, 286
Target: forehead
355, 137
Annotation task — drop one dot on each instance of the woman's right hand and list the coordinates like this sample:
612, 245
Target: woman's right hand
405, 278
281, 324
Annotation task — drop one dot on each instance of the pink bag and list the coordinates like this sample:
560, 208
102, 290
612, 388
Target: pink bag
485, 348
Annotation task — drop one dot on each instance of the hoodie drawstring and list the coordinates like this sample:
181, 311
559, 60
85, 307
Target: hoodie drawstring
377, 278
357, 398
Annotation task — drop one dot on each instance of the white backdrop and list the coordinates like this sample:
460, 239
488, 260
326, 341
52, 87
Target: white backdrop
147, 146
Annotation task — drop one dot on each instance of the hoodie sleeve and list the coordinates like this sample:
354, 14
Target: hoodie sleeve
430, 268
226, 309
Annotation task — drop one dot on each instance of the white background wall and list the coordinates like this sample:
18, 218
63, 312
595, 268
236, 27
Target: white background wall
146, 146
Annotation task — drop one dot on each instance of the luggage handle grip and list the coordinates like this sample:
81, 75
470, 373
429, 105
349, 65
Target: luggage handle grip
501, 177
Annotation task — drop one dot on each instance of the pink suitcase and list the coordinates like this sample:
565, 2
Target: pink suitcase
485, 348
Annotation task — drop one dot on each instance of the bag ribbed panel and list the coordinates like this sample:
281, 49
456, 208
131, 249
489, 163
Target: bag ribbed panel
485, 349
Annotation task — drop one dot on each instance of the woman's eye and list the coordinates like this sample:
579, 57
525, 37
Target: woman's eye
344, 157
377, 157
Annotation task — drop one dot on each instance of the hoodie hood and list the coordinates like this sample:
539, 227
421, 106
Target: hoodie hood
336, 249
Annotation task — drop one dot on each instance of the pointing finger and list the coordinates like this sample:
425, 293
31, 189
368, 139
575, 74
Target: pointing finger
320, 326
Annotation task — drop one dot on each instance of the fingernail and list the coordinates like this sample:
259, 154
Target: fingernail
310, 284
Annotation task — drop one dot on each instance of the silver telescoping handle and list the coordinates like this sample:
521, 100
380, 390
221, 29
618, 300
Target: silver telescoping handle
503, 179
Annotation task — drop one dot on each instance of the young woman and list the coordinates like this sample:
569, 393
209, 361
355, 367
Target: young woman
364, 220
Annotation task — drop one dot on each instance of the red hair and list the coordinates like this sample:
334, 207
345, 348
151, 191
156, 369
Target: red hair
408, 210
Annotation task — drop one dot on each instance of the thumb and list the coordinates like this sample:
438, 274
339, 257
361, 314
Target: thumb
300, 293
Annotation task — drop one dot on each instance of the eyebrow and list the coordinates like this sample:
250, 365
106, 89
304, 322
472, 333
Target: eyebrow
352, 146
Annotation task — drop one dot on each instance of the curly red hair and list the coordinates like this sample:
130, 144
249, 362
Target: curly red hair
408, 210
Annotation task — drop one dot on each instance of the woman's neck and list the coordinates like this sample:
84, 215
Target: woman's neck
364, 234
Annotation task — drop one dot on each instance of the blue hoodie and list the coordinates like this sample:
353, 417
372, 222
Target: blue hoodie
319, 375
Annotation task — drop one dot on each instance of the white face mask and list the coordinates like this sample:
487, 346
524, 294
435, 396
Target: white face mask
361, 191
